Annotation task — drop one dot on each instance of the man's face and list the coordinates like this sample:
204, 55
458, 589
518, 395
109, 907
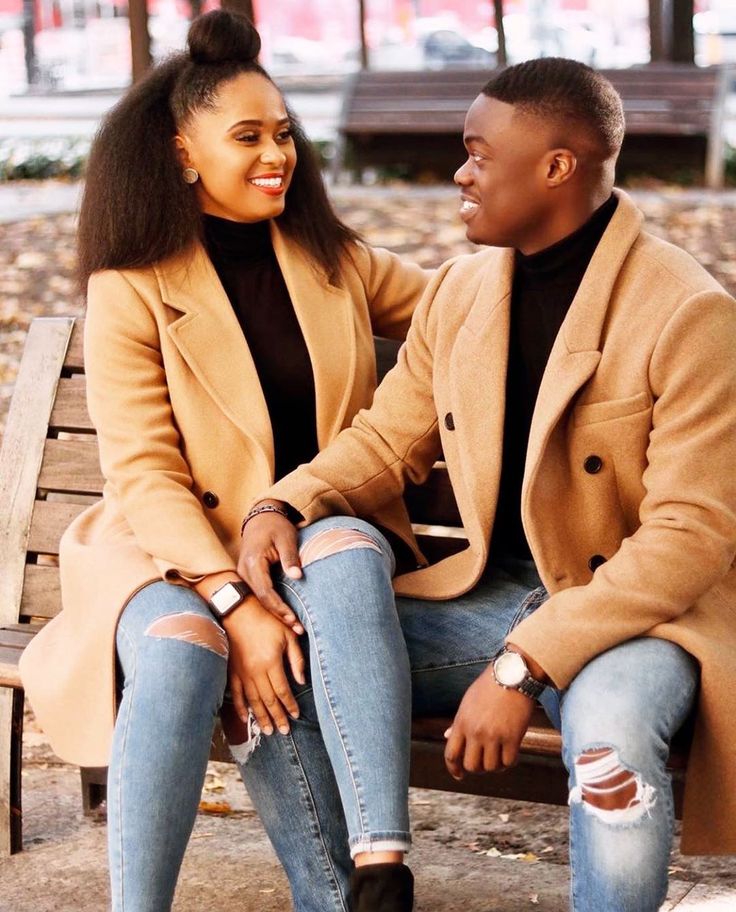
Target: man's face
504, 192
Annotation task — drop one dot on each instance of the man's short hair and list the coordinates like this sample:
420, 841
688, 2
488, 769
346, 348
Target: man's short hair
565, 91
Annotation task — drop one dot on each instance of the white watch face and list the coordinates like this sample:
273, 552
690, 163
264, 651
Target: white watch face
225, 597
510, 669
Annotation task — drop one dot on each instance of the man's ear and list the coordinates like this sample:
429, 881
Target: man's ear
561, 165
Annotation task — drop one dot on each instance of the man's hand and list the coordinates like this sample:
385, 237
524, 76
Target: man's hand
270, 538
487, 730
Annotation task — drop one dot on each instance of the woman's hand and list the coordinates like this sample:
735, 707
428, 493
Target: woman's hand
267, 539
259, 644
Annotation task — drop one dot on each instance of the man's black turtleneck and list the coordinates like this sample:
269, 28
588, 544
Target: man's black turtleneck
544, 286
246, 264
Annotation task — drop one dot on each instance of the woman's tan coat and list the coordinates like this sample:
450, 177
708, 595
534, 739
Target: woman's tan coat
643, 375
174, 395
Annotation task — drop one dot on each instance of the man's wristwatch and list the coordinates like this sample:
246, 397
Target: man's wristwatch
511, 671
227, 598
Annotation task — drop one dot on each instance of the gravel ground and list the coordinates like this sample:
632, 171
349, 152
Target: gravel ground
37, 278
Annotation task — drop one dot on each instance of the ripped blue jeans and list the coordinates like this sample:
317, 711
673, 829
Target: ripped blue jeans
339, 780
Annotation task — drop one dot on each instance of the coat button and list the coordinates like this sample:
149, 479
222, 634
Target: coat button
593, 465
210, 499
595, 562
449, 422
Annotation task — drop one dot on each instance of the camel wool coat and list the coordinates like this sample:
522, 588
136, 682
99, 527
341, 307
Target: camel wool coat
185, 444
642, 375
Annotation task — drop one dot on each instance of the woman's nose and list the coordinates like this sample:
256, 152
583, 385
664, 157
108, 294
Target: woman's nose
273, 155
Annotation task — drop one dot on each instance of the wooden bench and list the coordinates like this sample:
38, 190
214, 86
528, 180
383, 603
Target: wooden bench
49, 472
413, 121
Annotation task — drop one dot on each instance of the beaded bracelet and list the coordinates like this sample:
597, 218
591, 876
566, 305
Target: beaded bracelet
266, 508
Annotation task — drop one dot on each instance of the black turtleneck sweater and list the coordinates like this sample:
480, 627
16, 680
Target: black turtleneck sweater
246, 264
544, 286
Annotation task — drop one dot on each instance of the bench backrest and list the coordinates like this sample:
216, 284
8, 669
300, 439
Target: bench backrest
49, 472
671, 99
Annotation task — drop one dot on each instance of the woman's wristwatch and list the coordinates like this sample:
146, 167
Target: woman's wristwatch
511, 671
227, 598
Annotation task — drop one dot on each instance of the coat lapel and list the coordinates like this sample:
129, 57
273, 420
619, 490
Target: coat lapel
211, 341
325, 314
577, 349
477, 380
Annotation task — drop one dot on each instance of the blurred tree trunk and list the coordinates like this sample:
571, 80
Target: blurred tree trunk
657, 46
363, 42
29, 41
683, 34
244, 7
501, 57
140, 39
672, 37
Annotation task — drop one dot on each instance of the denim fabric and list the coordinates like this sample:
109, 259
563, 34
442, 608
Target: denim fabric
171, 695
632, 698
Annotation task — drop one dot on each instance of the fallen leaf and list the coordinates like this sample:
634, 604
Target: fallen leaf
493, 852
534, 899
504, 818
547, 849
214, 784
221, 808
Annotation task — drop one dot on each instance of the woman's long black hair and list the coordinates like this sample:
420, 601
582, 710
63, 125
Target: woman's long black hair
137, 209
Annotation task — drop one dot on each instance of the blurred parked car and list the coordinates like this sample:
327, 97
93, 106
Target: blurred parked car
447, 48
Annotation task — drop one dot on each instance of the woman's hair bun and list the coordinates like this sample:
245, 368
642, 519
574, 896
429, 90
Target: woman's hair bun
223, 37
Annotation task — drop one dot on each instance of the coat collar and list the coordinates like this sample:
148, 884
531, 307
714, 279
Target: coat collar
211, 341
480, 357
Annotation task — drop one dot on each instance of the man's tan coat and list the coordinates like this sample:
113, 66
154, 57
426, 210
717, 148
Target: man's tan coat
642, 375
176, 400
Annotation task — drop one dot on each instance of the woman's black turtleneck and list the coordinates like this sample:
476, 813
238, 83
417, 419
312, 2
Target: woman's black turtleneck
246, 264
544, 286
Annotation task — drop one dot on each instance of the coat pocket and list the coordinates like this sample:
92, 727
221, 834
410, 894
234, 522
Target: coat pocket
593, 412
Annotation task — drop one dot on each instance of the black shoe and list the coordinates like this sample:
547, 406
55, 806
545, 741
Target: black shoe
385, 887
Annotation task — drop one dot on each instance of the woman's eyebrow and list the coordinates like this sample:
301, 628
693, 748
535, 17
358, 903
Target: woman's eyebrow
257, 123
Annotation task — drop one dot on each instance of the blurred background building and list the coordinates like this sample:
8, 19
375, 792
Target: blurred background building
69, 46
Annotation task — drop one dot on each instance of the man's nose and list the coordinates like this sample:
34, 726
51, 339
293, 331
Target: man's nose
462, 175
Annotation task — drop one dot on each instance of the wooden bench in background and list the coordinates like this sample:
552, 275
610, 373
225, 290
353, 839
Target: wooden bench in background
49, 472
412, 122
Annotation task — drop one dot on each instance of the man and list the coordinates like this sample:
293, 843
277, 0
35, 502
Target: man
580, 380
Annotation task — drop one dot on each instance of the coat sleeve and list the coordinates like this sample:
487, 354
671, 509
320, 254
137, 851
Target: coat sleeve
395, 441
393, 288
686, 541
140, 447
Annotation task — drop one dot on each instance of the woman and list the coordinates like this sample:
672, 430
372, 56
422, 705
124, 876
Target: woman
228, 337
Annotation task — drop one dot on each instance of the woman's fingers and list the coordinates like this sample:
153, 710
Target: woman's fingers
238, 697
295, 657
282, 692
258, 707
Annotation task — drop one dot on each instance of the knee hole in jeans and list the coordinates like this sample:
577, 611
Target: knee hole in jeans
608, 789
333, 541
191, 628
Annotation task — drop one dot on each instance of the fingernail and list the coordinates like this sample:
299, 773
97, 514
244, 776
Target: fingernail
447, 733
298, 629
294, 715
244, 719
268, 730
284, 729
293, 572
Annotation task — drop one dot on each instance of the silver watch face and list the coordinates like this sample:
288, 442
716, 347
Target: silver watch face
224, 598
510, 669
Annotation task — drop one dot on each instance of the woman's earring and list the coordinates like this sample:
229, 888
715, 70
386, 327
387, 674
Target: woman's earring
190, 176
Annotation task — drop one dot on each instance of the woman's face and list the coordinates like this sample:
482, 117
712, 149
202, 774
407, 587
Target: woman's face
242, 149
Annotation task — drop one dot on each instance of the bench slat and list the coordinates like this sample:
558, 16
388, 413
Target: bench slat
49, 521
41, 592
9, 676
74, 359
70, 406
71, 465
